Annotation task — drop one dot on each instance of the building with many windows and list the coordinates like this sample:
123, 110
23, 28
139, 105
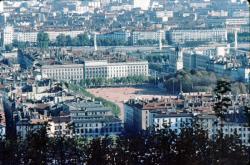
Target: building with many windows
202, 35
7, 35
168, 113
115, 36
147, 35
94, 69
71, 33
66, 72
234, 124
92, 119
30, 36
103, 69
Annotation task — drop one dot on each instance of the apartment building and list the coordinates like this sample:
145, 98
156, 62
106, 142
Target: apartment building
103, 69
92, 119
7, 35
116, 35
174, 121
59, 126
147, 35
159, 114
189, 35
95, 69
26, 36
66, 72
140, 114
143, 5
72, 33
235, 123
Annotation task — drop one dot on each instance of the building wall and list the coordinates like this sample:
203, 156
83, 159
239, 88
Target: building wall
26, 36
122, 36
54, 34
209, 35
175, 123
8, 35
103, 69
143, 4
63, 72
147, 35
58, 129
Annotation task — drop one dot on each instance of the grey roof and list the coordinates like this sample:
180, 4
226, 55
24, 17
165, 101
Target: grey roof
105, 119
160, 115
86, 106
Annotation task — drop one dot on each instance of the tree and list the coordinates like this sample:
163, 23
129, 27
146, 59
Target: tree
9, 47
61, 40
83, 40
43, 40
222, 101
20, 44
69, 41
246, 111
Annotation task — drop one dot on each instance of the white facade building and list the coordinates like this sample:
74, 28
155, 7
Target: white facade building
54, 34
147, 35
117, 35
103, 69
207, 35
142, 4
26, 36
172, 120
59, 126
1, 7
8, 35
63, 72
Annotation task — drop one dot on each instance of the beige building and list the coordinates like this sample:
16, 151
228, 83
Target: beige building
65, 72
147, 35
103, 69
189, 35
26, 36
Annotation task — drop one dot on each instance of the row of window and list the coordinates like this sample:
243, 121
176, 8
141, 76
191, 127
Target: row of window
98, 124
97, 130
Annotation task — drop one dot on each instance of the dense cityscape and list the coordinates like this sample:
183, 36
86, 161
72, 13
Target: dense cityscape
124, 82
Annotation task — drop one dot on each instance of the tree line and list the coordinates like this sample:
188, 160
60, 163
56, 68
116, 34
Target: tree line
129, 80
43, 41
197, 81
242, 37
191, 146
